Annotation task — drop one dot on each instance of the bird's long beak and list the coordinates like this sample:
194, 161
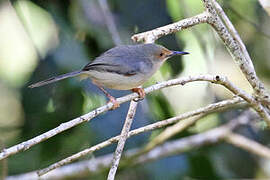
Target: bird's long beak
175, 53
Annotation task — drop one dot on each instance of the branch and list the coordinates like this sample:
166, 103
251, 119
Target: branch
253, 102
205, 110
122, 139
153, 35
248, 145
171, 131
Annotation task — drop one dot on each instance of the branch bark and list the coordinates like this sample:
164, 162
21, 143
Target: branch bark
248, 145
122, 140
153, 35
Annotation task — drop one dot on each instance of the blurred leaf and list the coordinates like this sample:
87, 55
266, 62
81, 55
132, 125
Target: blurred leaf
266, 5
92, 101
39, 25
18, 57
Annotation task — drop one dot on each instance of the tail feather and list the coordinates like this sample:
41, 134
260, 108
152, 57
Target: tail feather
54, 79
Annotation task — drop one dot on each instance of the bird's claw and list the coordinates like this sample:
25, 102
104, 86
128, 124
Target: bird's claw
140, 92
114, 102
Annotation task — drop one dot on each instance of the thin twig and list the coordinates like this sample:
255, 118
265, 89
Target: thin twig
205, 110
171, 131
122, 140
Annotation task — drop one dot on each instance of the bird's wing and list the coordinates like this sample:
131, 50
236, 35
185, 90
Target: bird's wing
122, 60
114, 64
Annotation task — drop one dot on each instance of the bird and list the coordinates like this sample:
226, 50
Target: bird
124, 67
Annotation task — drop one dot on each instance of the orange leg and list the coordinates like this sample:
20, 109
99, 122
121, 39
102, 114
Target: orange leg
140, 92
111, 98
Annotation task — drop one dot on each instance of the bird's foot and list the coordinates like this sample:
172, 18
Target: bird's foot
111, 98
140, 92
114, 102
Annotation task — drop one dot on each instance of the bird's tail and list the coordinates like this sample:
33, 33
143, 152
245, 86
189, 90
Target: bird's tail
56, 78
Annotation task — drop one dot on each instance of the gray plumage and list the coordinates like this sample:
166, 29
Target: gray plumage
130, 59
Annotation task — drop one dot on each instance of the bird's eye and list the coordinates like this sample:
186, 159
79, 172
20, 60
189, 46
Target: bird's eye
161, 54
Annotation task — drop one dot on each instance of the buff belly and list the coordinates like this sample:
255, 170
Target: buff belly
116, 81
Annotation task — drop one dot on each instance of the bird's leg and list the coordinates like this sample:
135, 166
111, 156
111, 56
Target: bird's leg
111, 98
140, 92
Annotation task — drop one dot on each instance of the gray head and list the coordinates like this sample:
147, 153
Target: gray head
159, 52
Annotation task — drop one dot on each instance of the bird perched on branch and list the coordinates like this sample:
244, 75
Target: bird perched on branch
123, 67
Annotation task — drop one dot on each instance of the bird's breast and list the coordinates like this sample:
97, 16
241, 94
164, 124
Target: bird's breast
117, 81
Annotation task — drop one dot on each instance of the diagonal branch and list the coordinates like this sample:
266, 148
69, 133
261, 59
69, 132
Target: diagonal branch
122, 139
248, 145
171, 131
153, 35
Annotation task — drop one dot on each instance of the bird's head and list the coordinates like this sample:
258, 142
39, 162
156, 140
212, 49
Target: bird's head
160, 53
